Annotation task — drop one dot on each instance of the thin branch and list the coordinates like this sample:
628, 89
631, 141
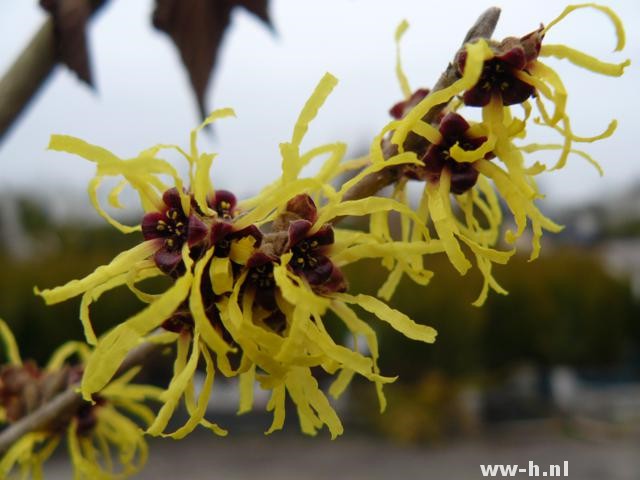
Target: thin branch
29, 71
26, 75
65, 404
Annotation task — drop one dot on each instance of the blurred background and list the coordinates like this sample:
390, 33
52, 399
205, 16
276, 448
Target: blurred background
549, 373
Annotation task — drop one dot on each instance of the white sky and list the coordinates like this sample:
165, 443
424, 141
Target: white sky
143, 96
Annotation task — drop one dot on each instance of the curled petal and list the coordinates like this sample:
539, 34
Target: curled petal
303, 206
11, 347
453, 126
583, 60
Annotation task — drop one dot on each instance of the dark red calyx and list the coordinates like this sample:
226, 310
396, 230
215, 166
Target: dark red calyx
86, 418
400, 109
261, 279
224, 203
180, 321
309, 256
499, 74
303, 207
454, 130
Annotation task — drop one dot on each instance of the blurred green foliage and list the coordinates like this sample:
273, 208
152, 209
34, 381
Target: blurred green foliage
561, 309
62, 254
427, 410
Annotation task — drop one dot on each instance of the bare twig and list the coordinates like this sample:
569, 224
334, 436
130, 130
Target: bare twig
26, 75
29, 72
66, 403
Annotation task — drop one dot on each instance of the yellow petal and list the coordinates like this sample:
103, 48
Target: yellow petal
402, 78
548, 74
398, 250
294, 293
10, 345
521, 206
202, 186
204, 398
311, 107
617, 23
114, 194
20, 451
305, 393
443, 220
210, 336
427, 131
391, 283
92, 190
114, 346
341, 383
246, 385
66, 350
367, 206
273, 200
469, 156
93, 153
175, 391
242, 249
407, 158
398, 320
276, 404
583, 60
537, 147
331, 168
221, 275
376, 153
120, 264
196, 413
477, 53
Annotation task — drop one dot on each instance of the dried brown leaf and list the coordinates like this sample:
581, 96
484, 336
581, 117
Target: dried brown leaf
197, 29
260, 8
70, 20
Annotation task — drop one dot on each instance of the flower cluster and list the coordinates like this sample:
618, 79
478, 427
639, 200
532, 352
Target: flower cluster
93, 431
459, 156
253, 280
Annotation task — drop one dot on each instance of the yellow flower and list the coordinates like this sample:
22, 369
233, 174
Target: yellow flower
236, 289
447, 165
457, 156
276, 309
103, 443
178, 227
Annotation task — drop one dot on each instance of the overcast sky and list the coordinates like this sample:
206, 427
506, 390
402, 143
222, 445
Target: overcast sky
143, 96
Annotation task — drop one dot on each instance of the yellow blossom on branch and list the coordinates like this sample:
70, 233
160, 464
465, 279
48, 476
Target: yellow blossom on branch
457, 155
236, 301
103, 442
